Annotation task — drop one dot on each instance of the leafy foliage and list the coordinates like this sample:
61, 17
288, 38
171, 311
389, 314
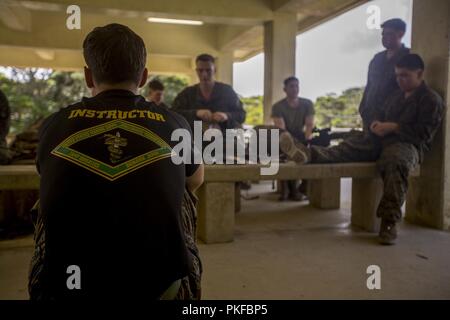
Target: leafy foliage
339, 111
254, 108
35, 93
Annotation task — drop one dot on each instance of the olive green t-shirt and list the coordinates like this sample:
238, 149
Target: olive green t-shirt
294, 118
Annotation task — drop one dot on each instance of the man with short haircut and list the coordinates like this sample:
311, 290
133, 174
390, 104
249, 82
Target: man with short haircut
381, 81
210, 101
156, 93
110, 196
296, 115
400, 134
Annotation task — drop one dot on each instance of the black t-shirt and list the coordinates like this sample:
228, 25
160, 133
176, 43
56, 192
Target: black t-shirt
223, 99
111, 197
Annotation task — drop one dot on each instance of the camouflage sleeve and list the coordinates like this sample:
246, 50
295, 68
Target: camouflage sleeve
190, 288
429, 118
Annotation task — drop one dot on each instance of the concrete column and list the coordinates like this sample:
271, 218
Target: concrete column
366, 196
224, 64
325, 193
279, 57
428, 201
216, 212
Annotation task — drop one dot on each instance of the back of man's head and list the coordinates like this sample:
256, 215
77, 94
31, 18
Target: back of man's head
156, 85
115, 54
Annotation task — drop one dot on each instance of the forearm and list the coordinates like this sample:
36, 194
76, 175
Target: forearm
196, 180
308, 131
279, 123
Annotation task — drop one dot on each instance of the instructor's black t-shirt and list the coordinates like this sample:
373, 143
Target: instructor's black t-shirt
111, 198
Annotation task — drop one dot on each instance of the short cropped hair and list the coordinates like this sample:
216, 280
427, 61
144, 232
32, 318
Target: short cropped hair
289, 80
115, 54
205, 57
156, 85
396, 24
411, 62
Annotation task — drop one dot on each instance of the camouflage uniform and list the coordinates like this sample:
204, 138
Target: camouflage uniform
381, 82
190, 288
419, 117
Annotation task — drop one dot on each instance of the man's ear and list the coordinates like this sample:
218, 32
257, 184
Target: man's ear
88, 77
143, 78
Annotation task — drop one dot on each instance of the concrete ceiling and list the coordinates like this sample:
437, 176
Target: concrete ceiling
34, 33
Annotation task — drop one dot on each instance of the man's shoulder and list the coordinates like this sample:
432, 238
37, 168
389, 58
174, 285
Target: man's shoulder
189, 89
404, 51
432, 96
280, 103
224, 87
305, 101
56, 116
379, 55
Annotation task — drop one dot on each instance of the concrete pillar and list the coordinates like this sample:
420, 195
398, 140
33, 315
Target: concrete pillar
325, 193
279, 57
366, 196
216, 212
224, 65
428, 200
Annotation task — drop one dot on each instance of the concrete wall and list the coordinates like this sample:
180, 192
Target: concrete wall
429, 199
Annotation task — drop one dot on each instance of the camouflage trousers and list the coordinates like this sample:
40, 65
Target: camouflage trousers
394, 161
190, 288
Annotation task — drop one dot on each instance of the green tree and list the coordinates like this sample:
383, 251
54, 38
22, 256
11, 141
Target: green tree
254, 108
35, 93
339, 111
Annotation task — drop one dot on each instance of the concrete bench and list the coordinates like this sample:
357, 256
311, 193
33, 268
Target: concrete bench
218, 196
216, 209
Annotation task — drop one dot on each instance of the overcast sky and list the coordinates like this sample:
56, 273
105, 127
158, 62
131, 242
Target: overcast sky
331, 57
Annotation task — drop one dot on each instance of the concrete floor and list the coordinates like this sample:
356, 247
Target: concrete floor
291, 251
